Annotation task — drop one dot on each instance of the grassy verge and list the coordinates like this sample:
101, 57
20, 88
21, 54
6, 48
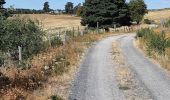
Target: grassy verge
156, 44
50, 73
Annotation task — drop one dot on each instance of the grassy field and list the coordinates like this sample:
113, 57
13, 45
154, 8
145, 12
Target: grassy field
54, 21
158, 15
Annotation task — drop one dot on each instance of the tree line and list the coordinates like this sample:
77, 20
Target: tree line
107, 13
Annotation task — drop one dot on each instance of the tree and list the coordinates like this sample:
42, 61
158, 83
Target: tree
46, 7
76, 8
79, 11
107, 12
2, 2
138, 9
69, 8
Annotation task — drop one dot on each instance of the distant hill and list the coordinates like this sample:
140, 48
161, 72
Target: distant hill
158, 14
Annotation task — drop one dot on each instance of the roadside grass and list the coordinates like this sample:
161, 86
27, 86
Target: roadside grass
155, 42
53, 67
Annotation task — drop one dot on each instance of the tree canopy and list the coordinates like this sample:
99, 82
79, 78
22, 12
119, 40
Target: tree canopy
46, 7
107, 12
2, 2
138, 9
69, 8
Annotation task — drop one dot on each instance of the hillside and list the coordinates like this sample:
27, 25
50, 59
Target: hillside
158, 15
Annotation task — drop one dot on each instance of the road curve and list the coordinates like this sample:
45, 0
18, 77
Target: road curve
95, 79
152, 76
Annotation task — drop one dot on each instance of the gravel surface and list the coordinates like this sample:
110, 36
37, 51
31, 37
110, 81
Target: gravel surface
96, 77
151, 75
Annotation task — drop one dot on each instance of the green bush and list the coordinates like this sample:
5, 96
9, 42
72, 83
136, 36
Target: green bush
56, 41
167, 24
154, 42
56, 97
147, 21
143, 32
2, 59
20, 32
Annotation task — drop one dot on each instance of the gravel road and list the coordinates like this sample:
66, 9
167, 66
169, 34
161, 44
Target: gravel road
96, 80
153, 76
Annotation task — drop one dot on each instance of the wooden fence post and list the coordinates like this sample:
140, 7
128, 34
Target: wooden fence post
78, 30
20, 54
97, 27
73, 31
114, 28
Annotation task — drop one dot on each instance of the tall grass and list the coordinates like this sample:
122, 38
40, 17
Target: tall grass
157, 45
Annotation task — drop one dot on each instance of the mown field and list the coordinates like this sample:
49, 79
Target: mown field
158, 15
53, 21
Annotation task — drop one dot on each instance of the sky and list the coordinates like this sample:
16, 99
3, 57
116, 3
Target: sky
59, 4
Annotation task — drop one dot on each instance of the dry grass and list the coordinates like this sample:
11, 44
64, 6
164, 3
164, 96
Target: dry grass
163, 60
51, 83
54, 21
158, 15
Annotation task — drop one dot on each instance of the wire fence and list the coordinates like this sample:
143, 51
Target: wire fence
64, 34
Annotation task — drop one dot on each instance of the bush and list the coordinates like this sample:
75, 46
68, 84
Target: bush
56, 41
1, 59
143, 32
56, 97
154, 41
167, 24
147, 21
20, 32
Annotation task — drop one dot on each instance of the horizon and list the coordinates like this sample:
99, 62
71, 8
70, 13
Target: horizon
38, 5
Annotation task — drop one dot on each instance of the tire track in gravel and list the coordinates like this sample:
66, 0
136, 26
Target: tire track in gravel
151, 75
95, 79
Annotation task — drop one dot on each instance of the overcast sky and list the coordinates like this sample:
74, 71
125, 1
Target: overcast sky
59, 4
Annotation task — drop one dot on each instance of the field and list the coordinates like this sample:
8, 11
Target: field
54, 21
158, 15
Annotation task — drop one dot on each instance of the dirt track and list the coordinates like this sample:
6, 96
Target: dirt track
96, 78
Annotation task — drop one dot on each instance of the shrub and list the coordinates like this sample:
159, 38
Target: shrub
143, 32
167, 23
154, 41
147, 21
56, 97
20, 32
1, 59
56, 41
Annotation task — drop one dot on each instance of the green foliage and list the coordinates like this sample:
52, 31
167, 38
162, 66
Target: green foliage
20, 32
2, 59
56, 97
143, 32
69, 8
147, 21
154, 42
2, 2
107, 12
56, 41
167, 23
46, 7
138, 9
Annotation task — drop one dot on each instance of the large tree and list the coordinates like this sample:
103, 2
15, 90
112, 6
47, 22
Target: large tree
46, 7
138, 9
69, 8
2, 2
107, 12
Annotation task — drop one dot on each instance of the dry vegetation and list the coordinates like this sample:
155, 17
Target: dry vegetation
51, 72
162, 59
158, 15
54, 21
